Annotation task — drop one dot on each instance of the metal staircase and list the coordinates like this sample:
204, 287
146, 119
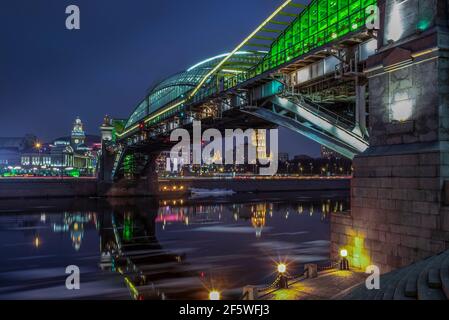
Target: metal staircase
118, 160
299, 114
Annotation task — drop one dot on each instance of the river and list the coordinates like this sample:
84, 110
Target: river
160, 248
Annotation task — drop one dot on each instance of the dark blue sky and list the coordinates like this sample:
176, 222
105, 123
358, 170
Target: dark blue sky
49, 75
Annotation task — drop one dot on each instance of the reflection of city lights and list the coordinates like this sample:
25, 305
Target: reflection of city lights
258, 219
37, 242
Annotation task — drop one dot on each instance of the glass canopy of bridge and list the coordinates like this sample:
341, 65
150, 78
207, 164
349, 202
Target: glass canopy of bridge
321, 23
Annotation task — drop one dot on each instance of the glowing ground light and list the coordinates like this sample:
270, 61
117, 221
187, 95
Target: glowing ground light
282, 268
344, 253
214, 295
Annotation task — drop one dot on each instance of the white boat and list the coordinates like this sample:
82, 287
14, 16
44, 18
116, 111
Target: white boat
195, 192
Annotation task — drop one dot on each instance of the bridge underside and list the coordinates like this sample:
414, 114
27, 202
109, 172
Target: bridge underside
320, 93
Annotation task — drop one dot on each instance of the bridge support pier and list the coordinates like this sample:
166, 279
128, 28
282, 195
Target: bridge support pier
143, 185
398, 210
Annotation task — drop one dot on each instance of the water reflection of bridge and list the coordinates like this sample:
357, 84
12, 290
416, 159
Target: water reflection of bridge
140, 240
129, 246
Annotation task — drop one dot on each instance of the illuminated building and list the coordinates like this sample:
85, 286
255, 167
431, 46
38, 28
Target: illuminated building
11, 150
78, 136
283, 157
327, 153
259, 141
64, 156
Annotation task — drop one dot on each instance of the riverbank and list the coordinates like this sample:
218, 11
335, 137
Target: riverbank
23, 188
259, 184
11, 188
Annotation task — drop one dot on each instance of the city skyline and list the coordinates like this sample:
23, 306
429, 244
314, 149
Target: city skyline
113, 52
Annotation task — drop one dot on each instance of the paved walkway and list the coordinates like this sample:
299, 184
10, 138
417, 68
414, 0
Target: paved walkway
328, 285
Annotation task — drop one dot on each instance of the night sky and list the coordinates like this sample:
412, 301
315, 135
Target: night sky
49, 75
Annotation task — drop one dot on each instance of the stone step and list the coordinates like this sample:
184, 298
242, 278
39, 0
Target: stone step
401, 288
425, 292
393, 282
434, 279
444, 276
385, 280
411, 287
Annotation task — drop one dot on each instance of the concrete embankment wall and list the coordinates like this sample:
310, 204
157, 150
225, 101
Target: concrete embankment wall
59, 188
47, 188
263, 185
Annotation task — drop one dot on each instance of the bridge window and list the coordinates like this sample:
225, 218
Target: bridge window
140, 113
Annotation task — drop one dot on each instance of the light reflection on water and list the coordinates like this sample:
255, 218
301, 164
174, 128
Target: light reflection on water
160, 249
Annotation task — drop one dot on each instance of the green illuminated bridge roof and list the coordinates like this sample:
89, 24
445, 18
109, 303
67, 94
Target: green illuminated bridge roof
179, 85
291, 32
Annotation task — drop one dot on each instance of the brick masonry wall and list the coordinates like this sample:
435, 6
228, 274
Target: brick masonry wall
396, 212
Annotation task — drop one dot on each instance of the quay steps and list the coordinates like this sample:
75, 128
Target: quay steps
424, 280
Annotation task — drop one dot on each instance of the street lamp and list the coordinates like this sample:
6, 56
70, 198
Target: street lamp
344, 262
283, 280
214, 295
282, 268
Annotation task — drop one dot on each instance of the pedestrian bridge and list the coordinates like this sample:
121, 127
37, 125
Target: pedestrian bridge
301, 68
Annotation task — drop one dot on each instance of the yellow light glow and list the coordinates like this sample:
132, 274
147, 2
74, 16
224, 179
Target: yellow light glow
282, 268
214, 295
344, 253
38, 145
36, 242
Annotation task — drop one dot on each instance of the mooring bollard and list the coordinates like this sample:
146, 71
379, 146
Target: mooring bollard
344, 263
311, 270
250, 293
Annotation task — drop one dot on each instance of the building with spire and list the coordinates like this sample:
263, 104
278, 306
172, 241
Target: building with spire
78, 136
74, 155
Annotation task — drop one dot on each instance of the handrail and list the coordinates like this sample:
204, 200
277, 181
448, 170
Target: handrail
336, 119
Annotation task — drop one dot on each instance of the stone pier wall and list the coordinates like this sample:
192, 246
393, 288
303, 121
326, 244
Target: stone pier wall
399, 211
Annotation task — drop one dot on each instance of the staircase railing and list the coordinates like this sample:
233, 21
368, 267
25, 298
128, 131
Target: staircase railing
332, 117
116, 162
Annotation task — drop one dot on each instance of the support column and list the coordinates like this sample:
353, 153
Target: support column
398, 213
